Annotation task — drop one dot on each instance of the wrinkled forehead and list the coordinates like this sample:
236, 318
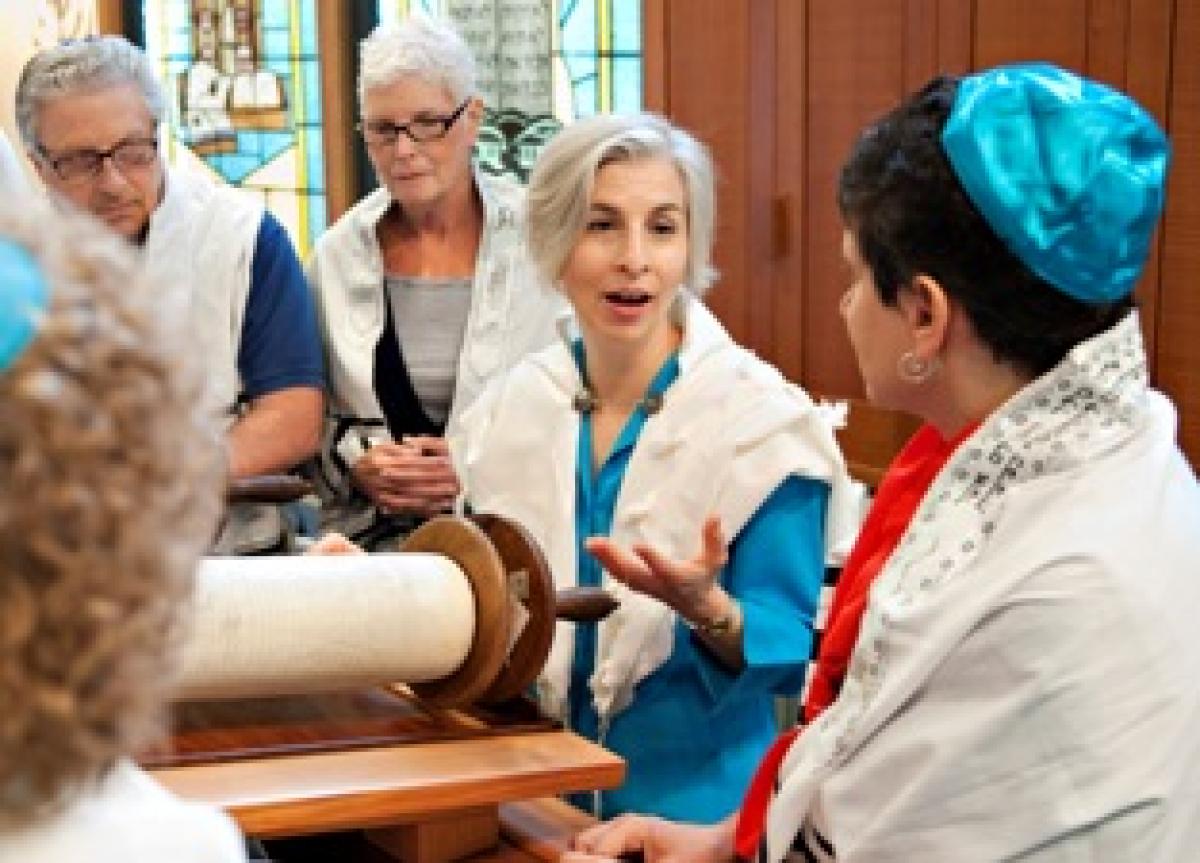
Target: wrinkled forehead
93, 117
407, 96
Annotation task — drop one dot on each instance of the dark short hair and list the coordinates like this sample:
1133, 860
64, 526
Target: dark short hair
910, 216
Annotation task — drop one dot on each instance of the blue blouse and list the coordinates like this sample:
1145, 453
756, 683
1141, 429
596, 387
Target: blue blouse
695, 731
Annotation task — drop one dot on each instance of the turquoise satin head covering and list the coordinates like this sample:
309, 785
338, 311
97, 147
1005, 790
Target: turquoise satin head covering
1068, 172
24, 297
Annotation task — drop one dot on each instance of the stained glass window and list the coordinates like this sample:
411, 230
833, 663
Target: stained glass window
244, 83
542, 63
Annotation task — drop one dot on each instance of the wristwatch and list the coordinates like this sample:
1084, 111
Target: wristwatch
721, 625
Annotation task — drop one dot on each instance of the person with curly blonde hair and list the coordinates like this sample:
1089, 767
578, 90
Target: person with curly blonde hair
112, 478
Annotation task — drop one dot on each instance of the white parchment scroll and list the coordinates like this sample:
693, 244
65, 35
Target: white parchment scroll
261, 626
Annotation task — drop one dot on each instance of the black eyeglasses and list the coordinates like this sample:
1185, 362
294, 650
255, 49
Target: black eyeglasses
383, 133
82, 166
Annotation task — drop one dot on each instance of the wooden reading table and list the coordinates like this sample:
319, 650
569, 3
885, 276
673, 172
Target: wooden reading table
427, 785
425, 767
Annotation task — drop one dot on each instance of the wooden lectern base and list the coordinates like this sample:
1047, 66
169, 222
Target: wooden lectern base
424, 798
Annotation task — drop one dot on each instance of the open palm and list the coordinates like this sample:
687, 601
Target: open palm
686, 586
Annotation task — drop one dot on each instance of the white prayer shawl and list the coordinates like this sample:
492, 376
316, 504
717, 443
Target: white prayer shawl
1025, 682
730, 430
126, 817
200, 249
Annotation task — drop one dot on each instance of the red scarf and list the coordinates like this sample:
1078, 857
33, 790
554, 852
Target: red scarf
902, 489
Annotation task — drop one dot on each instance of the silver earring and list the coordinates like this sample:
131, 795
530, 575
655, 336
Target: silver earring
913, 369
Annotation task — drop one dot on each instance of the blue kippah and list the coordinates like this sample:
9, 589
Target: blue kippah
1068, 172
23, 300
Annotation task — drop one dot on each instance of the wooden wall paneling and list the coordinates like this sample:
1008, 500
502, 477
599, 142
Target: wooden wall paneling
1110, 57
1147, 78
1178, 344
955, 26
764, 238
1148, 54
110, 17
654, 55
918, 43
1107, 41
936, 40
790, 195
708, 71
339, 107
1007, 31
854, 74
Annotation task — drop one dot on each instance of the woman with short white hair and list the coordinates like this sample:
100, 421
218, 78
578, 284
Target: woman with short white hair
647, 424
423, 287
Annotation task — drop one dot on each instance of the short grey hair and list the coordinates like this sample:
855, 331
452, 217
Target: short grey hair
560, 187
418, 47
82, 65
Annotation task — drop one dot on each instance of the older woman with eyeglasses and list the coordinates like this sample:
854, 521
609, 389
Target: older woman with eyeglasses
423, 287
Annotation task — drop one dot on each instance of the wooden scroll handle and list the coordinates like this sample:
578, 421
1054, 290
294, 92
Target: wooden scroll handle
270, 488
584, 604
503, 564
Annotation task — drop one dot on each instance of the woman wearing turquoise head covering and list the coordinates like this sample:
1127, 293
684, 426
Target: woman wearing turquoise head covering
110, 491
1011, 661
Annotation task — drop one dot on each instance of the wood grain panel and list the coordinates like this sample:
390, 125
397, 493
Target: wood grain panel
1178, 343
542, 828
956, 23
655, 86
209, 732
1010, 30
855, 73
708, 70
339, 103
839, 64
110, 17
790, 194
758, 287
305, 794
1148, 79
1107, 41
936, 40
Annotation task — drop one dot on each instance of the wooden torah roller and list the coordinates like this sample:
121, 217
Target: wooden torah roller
465, 613
270, 488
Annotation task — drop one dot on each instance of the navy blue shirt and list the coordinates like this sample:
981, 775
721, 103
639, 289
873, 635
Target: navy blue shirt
280, 346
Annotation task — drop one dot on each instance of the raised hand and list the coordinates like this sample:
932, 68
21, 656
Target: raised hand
690, 587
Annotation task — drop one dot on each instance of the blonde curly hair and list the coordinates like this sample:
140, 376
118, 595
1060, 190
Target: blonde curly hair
112, 475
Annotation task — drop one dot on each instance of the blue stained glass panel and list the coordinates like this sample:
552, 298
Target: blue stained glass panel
245, 84
627, 29
599, 44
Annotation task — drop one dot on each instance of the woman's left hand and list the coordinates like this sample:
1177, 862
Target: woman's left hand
690, 587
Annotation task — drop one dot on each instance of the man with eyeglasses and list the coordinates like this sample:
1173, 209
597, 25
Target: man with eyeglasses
89, 113
424, 288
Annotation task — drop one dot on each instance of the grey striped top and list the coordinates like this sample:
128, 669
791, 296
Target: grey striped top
431, 319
